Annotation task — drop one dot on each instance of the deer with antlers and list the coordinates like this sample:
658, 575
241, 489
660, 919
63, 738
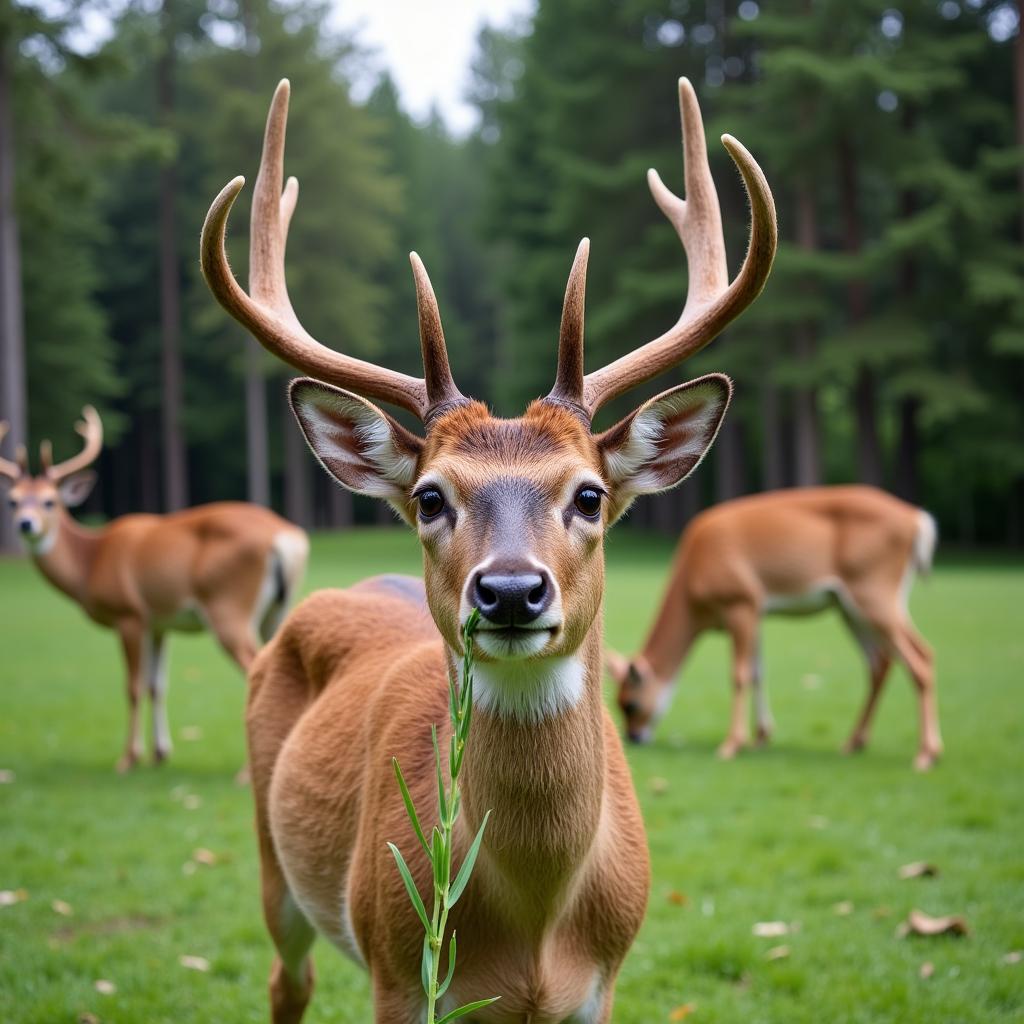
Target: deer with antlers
511, 515
228, 567
789, 552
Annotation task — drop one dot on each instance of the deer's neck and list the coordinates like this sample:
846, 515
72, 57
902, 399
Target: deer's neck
542, 777
67, 559
672, 634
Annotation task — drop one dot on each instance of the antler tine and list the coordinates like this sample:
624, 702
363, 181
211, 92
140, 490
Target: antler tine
711, 302
90, 427
11, 470
267, 313
568, 389
442, 393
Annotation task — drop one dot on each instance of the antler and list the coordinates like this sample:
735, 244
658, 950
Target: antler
267, 311
91, 429
12, 470
711, 302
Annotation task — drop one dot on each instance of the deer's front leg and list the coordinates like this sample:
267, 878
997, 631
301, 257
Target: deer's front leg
155, 665
132, 637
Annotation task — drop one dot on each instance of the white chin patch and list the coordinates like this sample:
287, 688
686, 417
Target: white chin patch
522, 643
527, 690
41, 543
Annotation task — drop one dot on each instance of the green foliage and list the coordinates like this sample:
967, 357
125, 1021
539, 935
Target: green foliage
438, 849
889, 127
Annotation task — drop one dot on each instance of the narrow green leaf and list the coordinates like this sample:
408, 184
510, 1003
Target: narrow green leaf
468, 1008
439, 859
453, 701
409, 806
426, 964
410, 885
442, 802
451, 968
462, 878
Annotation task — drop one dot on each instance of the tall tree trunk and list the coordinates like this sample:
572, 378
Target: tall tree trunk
806, 421
12, 327
865, 392
730, 472
909, 444
298, 506
1015, 526
773, 456
175, 470
1018, 97
339, 506
257, 447
257, 450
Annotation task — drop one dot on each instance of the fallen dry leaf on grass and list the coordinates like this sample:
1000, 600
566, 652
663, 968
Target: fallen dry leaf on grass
204, 856
104, 987
62, 908
88, 1018
1013, 958
879, 912
682, 1012
926, 970
191, 802
8, 897
191, 733
677, 898
920, 923
6, 776
194, 963
770, 929
657, 785
843, 908
777, 953
918, 869
817, 821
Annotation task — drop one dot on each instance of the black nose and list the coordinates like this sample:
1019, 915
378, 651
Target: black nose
512, 598
25, 525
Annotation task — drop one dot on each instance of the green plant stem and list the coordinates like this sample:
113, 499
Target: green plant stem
439, 846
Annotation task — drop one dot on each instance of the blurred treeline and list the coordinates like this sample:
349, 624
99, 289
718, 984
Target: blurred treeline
888, 346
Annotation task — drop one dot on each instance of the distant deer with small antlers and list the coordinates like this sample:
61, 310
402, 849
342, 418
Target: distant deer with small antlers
790, 552
229, 567
511, 515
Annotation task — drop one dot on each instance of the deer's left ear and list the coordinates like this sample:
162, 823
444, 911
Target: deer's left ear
76, 488
662, 442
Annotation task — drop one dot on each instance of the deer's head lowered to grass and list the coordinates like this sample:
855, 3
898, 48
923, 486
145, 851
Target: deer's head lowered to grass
511, 515
36, 502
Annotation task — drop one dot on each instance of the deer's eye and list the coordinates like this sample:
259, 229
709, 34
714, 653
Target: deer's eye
588, 502
12, 503
49, 503
431, 502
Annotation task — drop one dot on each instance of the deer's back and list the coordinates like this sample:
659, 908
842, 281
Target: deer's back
785, 542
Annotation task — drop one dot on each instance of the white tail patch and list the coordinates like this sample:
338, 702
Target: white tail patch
925, 541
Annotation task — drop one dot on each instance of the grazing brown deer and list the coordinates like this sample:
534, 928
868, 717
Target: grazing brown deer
511, 515
230, 567
791, 552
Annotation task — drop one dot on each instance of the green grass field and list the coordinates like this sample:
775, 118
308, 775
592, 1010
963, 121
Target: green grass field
782, 834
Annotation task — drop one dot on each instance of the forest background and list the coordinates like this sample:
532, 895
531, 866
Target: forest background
887, 348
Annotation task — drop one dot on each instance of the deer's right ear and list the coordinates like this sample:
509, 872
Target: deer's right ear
361, 446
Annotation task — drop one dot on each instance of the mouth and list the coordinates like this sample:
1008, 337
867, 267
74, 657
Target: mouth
512, 641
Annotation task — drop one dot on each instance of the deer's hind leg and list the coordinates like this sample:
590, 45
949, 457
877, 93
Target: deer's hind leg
291, 975
878, 656
742, 620
277, 698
